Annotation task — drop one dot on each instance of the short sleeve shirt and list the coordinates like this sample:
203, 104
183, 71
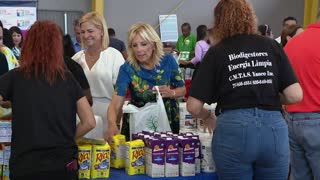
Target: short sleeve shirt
243, 71
186, 44
103, 74
44, 121
141, 82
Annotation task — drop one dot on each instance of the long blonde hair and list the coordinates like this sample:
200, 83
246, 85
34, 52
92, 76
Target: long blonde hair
149, 35
100, 23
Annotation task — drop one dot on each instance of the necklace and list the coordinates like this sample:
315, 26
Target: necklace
92, 58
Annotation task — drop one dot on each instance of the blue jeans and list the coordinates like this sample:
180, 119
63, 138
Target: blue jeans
251, 144
304, 134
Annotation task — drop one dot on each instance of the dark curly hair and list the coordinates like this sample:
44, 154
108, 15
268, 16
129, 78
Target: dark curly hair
233, 17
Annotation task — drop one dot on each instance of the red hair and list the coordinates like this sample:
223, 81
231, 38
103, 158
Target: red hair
233, 17
42, 52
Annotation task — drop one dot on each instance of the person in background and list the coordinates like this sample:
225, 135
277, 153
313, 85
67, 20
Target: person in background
202, 45
3, 60
7, 62
117, 43
45, 100
249, 76
100, 63
7, 39
265, 30
186, 44
75, 68
68, 48
288, 21
147, 66
7, 47
289, 32
77, 38
17, 38
11, 59
303, 118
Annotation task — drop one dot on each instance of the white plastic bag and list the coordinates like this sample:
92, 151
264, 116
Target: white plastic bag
150, 117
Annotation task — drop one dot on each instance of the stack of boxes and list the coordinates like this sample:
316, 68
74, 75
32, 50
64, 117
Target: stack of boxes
94, 161
170, 155
187, 122
195, 126
5, 148
157, 154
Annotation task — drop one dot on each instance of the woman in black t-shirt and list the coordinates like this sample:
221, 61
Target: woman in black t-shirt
75, 68
45, 98
249, 76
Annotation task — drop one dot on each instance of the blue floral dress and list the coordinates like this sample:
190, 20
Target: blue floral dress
140, 83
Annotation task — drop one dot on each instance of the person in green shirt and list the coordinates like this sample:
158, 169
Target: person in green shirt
186, 43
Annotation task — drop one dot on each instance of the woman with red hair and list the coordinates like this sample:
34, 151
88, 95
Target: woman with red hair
249, 76
45, 99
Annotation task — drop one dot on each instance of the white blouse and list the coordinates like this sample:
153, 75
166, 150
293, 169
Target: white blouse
104, 73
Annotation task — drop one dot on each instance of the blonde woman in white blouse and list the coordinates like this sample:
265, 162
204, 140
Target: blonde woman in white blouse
100, 63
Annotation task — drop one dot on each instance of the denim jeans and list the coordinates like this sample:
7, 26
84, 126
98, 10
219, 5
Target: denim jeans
304, 135
251, 144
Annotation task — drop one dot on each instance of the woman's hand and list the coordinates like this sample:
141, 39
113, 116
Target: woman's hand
183, 62
165, 91
114, 112
210, 123
112, 130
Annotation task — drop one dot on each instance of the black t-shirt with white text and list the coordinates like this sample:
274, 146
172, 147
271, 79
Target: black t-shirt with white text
43, 121
243, 71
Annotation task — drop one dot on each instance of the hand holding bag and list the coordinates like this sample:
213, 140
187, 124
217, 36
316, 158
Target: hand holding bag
150, 117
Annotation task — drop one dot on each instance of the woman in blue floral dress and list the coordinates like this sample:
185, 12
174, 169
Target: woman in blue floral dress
147, 67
